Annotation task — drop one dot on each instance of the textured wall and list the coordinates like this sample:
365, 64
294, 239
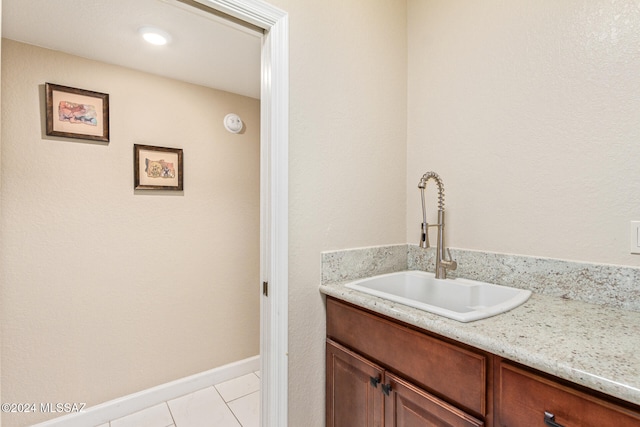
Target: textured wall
529, 112
107, 291
347, 160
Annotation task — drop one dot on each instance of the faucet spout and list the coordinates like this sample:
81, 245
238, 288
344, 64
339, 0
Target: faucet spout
442, 263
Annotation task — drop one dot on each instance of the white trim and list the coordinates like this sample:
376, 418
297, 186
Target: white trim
274, 183
135, 402
275, 167
255, 12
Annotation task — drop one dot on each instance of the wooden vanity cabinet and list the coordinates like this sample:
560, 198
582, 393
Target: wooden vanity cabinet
392, 375
363, 394
381, 372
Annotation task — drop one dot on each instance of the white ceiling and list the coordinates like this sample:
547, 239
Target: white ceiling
205, 49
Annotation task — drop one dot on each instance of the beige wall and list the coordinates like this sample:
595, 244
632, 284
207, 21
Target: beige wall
529, 112
526, 109
347, 160
107, 291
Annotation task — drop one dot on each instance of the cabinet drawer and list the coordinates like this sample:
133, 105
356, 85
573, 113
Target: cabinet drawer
523, 397
454, 373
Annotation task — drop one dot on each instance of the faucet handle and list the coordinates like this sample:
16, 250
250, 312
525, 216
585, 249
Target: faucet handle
450, 264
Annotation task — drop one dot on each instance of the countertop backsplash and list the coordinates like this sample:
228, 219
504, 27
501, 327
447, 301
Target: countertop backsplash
603, 284
353, 264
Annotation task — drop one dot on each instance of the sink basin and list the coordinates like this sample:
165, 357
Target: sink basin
459, 299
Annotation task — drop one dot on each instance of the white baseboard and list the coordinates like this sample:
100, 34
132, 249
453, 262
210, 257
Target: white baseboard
135, 402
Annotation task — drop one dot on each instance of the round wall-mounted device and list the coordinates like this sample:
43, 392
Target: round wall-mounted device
233, 123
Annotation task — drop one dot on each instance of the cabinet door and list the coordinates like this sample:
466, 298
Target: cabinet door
354, 396
410, 406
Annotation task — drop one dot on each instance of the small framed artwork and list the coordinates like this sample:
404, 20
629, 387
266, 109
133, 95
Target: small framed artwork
77, 113
157, 168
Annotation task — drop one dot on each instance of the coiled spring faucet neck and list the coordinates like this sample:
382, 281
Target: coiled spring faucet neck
423, 184
442, 264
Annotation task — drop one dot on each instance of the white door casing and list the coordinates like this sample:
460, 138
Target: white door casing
274, 141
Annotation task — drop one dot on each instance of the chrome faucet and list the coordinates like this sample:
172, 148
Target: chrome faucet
442, 264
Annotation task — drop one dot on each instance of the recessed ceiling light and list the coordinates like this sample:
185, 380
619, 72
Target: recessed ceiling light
155, 36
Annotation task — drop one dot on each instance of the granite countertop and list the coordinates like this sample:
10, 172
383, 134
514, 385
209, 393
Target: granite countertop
592, 345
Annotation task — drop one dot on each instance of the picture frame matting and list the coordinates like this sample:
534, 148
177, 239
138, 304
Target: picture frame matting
157, 168
76, 113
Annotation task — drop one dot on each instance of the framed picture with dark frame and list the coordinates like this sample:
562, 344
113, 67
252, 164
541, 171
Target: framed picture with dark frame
157, 168
77, 113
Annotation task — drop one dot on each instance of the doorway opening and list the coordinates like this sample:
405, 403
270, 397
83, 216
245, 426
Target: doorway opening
273, 197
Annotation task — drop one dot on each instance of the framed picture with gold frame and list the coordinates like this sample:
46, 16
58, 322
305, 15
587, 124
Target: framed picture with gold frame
157, 168
76, 113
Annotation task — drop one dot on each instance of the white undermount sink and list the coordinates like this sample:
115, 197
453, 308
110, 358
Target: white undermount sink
459, 299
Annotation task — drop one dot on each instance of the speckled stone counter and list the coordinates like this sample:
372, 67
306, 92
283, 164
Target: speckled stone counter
594, 345
591, 345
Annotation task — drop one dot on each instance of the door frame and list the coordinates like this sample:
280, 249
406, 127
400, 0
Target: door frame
274, 167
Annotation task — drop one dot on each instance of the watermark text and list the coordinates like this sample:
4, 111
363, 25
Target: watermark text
48, 407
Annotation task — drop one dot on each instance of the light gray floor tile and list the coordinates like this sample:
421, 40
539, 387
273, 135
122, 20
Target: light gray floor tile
155, 416
247, 409
238, 387
204, 408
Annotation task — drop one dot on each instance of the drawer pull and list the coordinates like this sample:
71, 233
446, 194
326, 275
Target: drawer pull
374, 381
386, 389
550, 420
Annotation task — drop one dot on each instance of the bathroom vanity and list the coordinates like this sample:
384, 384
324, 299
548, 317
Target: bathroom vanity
392, 365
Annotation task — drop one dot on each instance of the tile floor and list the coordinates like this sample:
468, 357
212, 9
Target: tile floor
234, 403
